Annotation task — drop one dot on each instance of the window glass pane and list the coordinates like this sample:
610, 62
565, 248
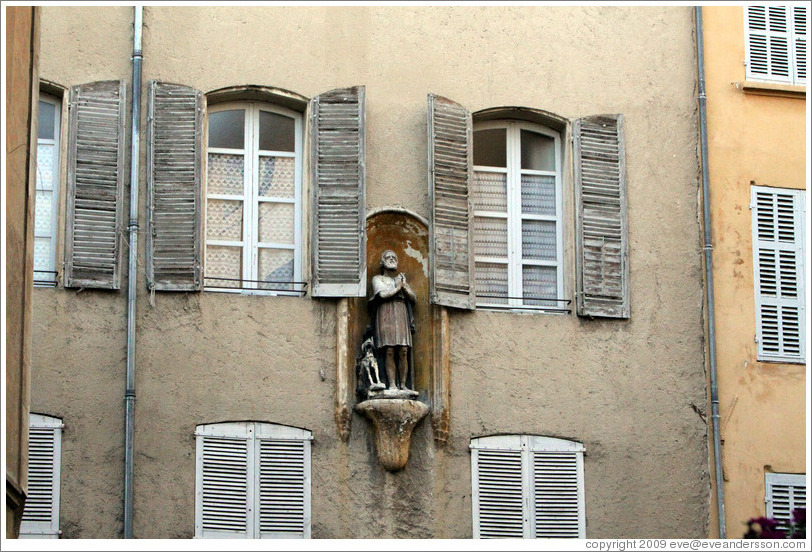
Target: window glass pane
227, 129
276, 222
46, 117
276, 265
42, 213
225, 174
538, 240
223, 262
538, 194
224, 220
276, 132
45, 167
490, 237
491, 283
277, 177
490, 191
539, 282
538, 151
490, 147
42, 257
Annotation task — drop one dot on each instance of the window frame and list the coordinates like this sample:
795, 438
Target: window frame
791, 38
252, 433
514, 216
789, 480
798, 246
526, 446
55, 190
41, 529
250, 199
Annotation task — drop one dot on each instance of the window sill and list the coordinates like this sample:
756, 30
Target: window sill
776, 89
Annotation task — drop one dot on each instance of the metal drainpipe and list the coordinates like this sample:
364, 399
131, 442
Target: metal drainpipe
708, 248
129, 393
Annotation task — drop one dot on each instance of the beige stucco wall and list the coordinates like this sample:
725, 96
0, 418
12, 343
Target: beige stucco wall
761, 140
22, 47
624, 388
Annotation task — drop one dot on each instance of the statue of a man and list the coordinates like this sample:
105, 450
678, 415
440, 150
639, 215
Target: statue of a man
394, 319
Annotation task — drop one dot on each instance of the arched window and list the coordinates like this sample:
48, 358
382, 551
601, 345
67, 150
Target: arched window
518, 245
253, 198
527, 486
252, 481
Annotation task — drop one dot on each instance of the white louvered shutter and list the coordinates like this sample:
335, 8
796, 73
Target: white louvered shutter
224, 494
776, 43
41, 514
450, 164
95, 185
174, 159
799, 43
338, 165
283, 482
558, 501
253, 481
498, 494
778, 261
784, 493
527, 486
601, 241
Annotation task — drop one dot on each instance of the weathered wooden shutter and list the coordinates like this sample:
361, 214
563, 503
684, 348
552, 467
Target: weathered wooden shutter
558, 500
41, 514
785, 492
778, 260
95, 185
283, 483
338, 165
174, 201
602, 268
450, 143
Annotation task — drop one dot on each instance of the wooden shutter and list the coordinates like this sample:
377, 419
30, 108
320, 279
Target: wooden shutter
283, 481
253, 481
799, 18
95, 185
778, 261
527, 486
41, 514
174, 159
224, 491
498, 494
338, 165
450, 148
784, 493
602, 268
558, 501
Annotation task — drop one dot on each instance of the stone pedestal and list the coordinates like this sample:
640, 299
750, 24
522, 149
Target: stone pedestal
393, 420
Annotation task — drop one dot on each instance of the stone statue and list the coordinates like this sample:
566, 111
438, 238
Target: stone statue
393, 322
366, 369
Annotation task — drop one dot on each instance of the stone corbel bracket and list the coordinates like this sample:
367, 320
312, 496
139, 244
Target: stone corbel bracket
393, 420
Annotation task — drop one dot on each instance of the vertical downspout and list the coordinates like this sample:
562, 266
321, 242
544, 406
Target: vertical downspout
129, 394
708, 248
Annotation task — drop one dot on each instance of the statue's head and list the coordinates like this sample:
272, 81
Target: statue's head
389, 260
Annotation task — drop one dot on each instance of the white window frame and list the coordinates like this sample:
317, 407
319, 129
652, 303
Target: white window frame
252, 433
250, 199
44, 529
798, 247
40, 279
791, 37
794, 484
514, 216
527, 445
